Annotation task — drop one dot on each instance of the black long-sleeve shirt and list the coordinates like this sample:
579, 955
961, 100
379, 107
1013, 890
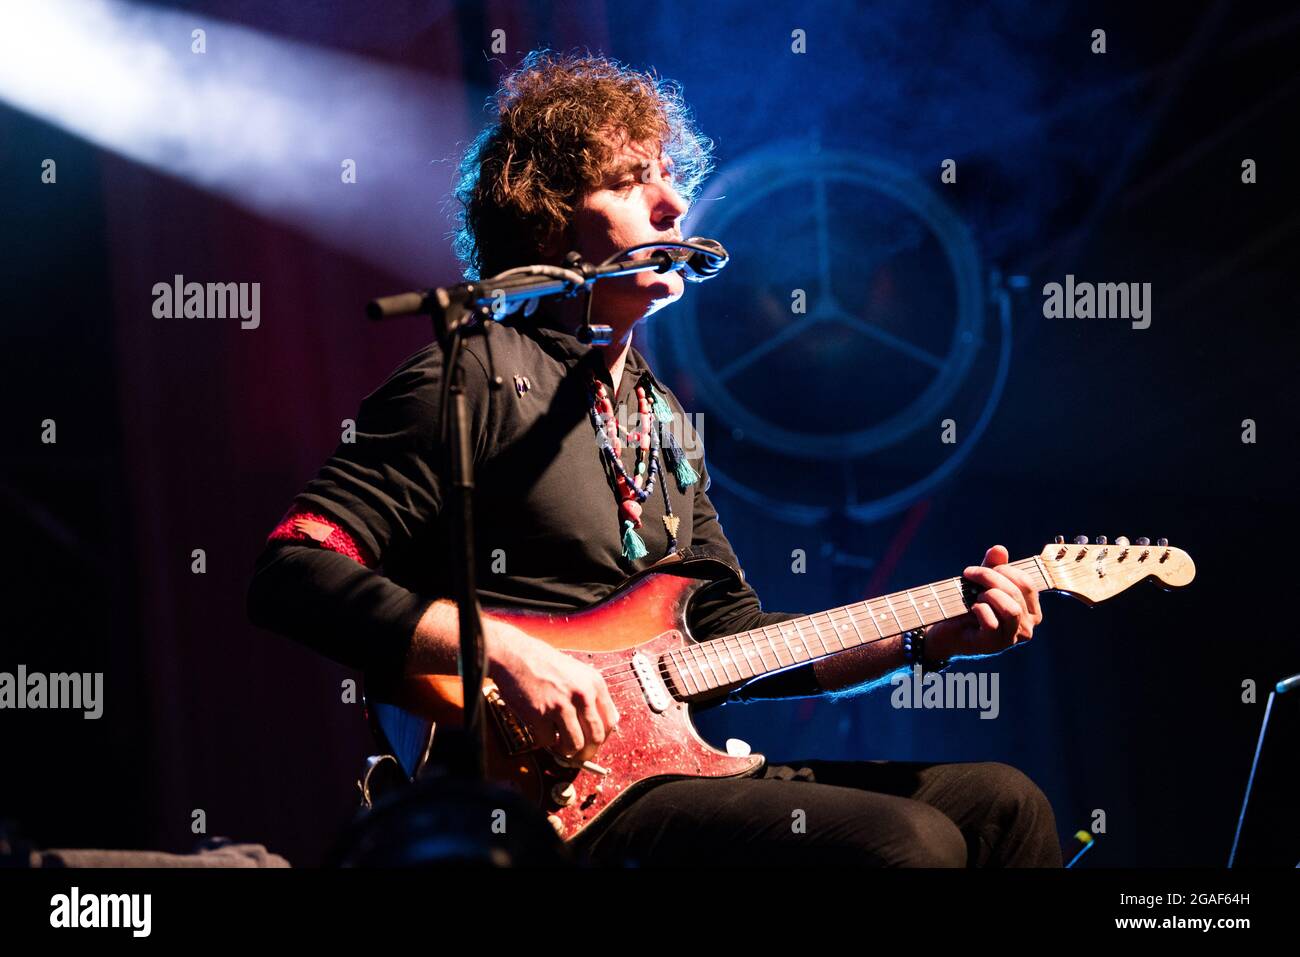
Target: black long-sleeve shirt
548, 529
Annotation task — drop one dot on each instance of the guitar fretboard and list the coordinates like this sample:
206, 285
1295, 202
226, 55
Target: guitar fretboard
736, 659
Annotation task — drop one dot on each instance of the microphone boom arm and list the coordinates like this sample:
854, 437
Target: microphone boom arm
499, 295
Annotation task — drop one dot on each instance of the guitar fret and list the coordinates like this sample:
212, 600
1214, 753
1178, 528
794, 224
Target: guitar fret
919, 616
722, 661
854, 623
685, 671
818, 635
835, 630
818, 632
838, 627
742, 642
669, 663
1042, 572
696, 673
960, 597
890, 605
775, 653
780, 630
762, 632
728, 655
939, 599
871, 614
938, 603
706, 669
802, 640
740, 646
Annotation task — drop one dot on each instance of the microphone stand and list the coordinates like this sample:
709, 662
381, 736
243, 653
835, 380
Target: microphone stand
456, 312
450, 322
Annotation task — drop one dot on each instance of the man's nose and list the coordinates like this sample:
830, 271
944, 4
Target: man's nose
670, 206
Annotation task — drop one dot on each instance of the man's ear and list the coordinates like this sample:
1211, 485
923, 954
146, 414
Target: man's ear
549, 251
558, 244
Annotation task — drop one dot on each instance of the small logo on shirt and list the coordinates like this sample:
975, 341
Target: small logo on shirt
522, 385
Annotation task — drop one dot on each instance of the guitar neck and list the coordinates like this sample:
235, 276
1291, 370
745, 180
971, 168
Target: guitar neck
726, 662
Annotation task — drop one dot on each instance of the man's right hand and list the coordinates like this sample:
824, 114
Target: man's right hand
565, 703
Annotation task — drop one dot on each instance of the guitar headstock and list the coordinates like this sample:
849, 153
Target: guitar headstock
1100, 570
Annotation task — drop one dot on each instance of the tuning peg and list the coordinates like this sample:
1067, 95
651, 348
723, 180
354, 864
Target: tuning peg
1081, 539
1144, 541
1121, 541
1101, 539
1059, 540
1162, 542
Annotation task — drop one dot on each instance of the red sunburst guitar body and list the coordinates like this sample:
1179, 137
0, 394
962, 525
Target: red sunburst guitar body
655, 738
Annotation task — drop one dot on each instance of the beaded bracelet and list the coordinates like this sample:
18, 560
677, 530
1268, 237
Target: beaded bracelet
914, 651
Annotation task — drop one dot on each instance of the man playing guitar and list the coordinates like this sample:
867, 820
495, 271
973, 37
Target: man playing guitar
585, 154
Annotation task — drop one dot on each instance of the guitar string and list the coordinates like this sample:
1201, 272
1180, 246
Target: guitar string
618, 682
621, 675
952, 589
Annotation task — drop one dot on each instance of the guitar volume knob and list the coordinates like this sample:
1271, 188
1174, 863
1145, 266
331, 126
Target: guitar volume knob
563, 794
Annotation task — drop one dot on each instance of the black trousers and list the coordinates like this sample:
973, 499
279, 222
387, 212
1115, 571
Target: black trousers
853, 813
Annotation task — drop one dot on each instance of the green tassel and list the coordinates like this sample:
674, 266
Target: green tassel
663, 412
633, 547
685, 474
677, 460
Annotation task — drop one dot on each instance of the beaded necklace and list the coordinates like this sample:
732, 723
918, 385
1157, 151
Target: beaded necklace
652, 441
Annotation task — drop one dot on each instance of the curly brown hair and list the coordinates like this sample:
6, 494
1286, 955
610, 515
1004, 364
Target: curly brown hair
520, 179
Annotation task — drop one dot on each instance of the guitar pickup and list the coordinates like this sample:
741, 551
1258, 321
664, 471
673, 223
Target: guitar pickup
656, 694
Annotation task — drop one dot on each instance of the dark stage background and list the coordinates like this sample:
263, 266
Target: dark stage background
176, 435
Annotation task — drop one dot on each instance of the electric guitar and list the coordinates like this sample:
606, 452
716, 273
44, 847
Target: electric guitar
656, 673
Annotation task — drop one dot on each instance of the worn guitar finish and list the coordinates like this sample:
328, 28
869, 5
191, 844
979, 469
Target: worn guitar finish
646, 617
638, 639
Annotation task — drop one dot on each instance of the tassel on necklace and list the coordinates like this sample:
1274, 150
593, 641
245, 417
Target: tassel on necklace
633, 546
677, 460
663, 412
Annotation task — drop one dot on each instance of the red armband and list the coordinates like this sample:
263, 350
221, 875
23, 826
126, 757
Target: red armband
300, 526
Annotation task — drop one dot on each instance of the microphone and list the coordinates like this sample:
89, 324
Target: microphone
694, 265
697, 266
